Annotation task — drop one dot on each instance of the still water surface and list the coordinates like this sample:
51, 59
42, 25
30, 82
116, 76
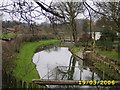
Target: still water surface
59, 63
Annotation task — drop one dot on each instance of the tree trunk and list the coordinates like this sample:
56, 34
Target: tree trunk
74, 30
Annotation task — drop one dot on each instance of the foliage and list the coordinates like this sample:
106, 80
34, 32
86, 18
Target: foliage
74, 49
7, 35
70, 11
85, 25
9, 24
107, 71
108, 34
112, 54
103, 21
107, 38
108, 11
25, 69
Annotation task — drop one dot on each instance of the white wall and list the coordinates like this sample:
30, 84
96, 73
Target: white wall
97, 35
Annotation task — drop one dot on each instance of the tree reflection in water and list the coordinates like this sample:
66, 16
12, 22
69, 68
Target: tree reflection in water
62, 65
64, 72
71, 68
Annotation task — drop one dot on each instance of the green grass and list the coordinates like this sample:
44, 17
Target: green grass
116, 42
111, 54
74, 49
107, 71
7, 35
25, 69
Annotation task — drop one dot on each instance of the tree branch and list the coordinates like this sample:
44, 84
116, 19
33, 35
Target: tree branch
47, 10
94, 9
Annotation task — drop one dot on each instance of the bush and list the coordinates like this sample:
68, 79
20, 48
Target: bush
107, 39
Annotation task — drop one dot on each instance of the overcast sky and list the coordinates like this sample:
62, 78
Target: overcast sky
41, 18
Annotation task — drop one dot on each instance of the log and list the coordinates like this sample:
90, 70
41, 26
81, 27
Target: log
55, 82
60, 82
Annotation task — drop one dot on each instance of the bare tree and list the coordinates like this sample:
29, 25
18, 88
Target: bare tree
70, 11
27, 11
110, 10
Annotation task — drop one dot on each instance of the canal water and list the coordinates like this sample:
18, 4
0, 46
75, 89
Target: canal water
59, 64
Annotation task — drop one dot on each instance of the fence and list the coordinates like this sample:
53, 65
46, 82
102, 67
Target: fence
9, 81
105, 65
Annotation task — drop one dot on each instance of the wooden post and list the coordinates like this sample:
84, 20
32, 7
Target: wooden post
34, 86
56, 82
20, 84
103, 74
80, 74
4, 79
12, 82
24, 85
92, 75
30, 86
9, 81
15, 83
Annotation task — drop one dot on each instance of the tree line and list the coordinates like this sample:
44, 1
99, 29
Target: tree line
65, 12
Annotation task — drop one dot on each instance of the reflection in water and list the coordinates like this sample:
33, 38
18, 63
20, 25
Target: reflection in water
58, 63
71, 69
55, 48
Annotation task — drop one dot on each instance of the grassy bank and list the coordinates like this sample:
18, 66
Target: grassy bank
74, 49
25, 69
110, 54
107, 71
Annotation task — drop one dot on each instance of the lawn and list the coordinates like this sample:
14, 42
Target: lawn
25, 69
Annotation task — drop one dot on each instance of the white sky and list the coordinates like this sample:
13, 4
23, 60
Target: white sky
42, 18
6, 16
